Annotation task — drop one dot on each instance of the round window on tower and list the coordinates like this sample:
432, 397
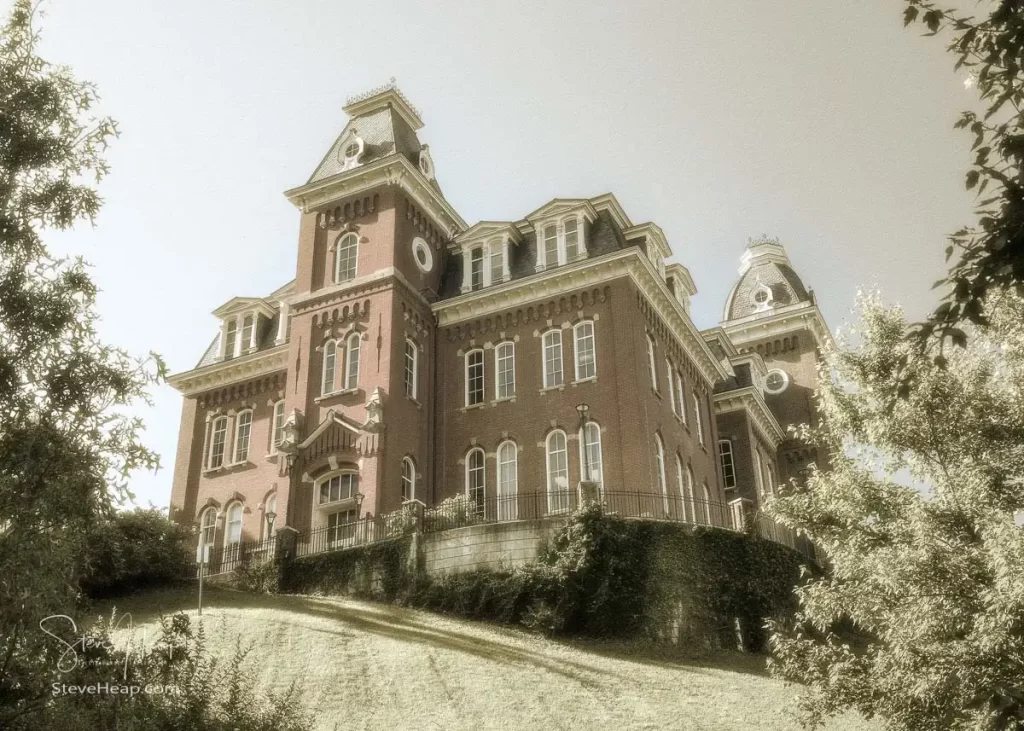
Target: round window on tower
351, 150
776, 382
421, 253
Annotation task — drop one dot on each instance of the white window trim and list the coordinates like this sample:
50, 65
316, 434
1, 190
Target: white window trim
544, 358
758, 473
707, 504
600, 457
680, 481
732, 461
497, 370
225, 444
681, 395
508, 509
670, 377
559, 223
327, 477
552, 510
690, 498
659, 454
576, 349
337, 257
483, 473
785, 381
408, 462
652, 362
212, 527
411, 347
248, 438
227, 540
483, 377
329, 348
349, 382
698, 421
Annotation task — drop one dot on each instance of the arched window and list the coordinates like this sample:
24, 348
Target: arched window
707, 505
497, 248
476, 479
218, 439
233, 526
247, 334
698, 422
659, 454
230, 338
207, 530
590, 454
346, 257
476, 268
408, 479
411, 367
681, 484
771, 479
550, 246
728, 466
650, 362
572, 244
759, 473
505, 370
243, 430
681, 395
277, 432
330, 359
474, 377
669, 372
558, 472
336, 487
269, 527
690, 502
352, 360
586, 351
508, 481
553, 359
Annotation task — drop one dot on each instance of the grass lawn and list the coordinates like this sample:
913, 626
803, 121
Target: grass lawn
368, 666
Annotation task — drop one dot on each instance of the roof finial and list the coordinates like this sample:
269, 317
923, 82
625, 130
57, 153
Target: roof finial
762, 239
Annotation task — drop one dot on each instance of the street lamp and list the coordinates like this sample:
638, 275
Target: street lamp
271, 516
583, 410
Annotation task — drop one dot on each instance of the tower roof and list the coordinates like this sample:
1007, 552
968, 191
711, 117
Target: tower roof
767, 281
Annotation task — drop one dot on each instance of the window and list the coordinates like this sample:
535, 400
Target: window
346, 257
342, 486
771, 479
670, 379
341, 526
408, 479
231, 338
476, 480
776, 382
681, 483
558, 472
572, 248
681, 396
476, 268
659, 454
553, 358
218, 436
586, 357
277, 433
352, 361
269, 527
590, 454
207, 531
474, 377
689, 494
421, 253
505, 370
758, 473
707, 505
497, 262
411, 361
650, 362
330, 358
508, 481
728, 467
233, 530
246, 333
551, 246
243, 428
698, 423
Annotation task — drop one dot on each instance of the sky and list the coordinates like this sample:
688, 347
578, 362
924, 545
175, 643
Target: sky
826, 125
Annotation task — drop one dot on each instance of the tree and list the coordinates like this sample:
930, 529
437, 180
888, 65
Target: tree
990, 254
919, 619
67, 444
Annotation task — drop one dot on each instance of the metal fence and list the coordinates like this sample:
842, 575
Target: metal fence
354, 533
225, 559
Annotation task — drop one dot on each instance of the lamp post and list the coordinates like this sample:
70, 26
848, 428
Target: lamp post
583, 410
271, 516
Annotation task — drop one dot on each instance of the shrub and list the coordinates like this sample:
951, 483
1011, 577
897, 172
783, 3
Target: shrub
262, 577
132, 550
454, 512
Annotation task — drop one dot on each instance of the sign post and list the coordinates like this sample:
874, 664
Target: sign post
202, 557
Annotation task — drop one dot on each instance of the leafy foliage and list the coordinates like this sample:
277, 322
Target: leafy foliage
374, 571
930, 577
66, 444
990, 254
133, 550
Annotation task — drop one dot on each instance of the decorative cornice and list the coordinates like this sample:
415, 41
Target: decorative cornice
653, 233
242, 304
610, 203
761, 325
682, 274
249, 366
386, 95
379, 280
749, 399
395, 169
588, 272
483, 230
559, 207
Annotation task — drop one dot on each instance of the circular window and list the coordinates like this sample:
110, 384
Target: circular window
352, 150
421, 253
776, 381
761, 296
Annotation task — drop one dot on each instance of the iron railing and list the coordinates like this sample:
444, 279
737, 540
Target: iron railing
227, 558
354, 533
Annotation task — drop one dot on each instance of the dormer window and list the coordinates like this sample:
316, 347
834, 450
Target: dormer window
426, 165
230, 338
485, 264
350, 150
560, 242
761, 298
476, 268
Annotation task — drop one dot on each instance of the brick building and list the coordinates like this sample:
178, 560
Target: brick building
415, 357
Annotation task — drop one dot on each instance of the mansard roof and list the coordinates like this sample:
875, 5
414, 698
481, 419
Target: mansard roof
765, 266
266, 334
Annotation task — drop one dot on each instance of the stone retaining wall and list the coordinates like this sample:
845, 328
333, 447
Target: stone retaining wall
492, 546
